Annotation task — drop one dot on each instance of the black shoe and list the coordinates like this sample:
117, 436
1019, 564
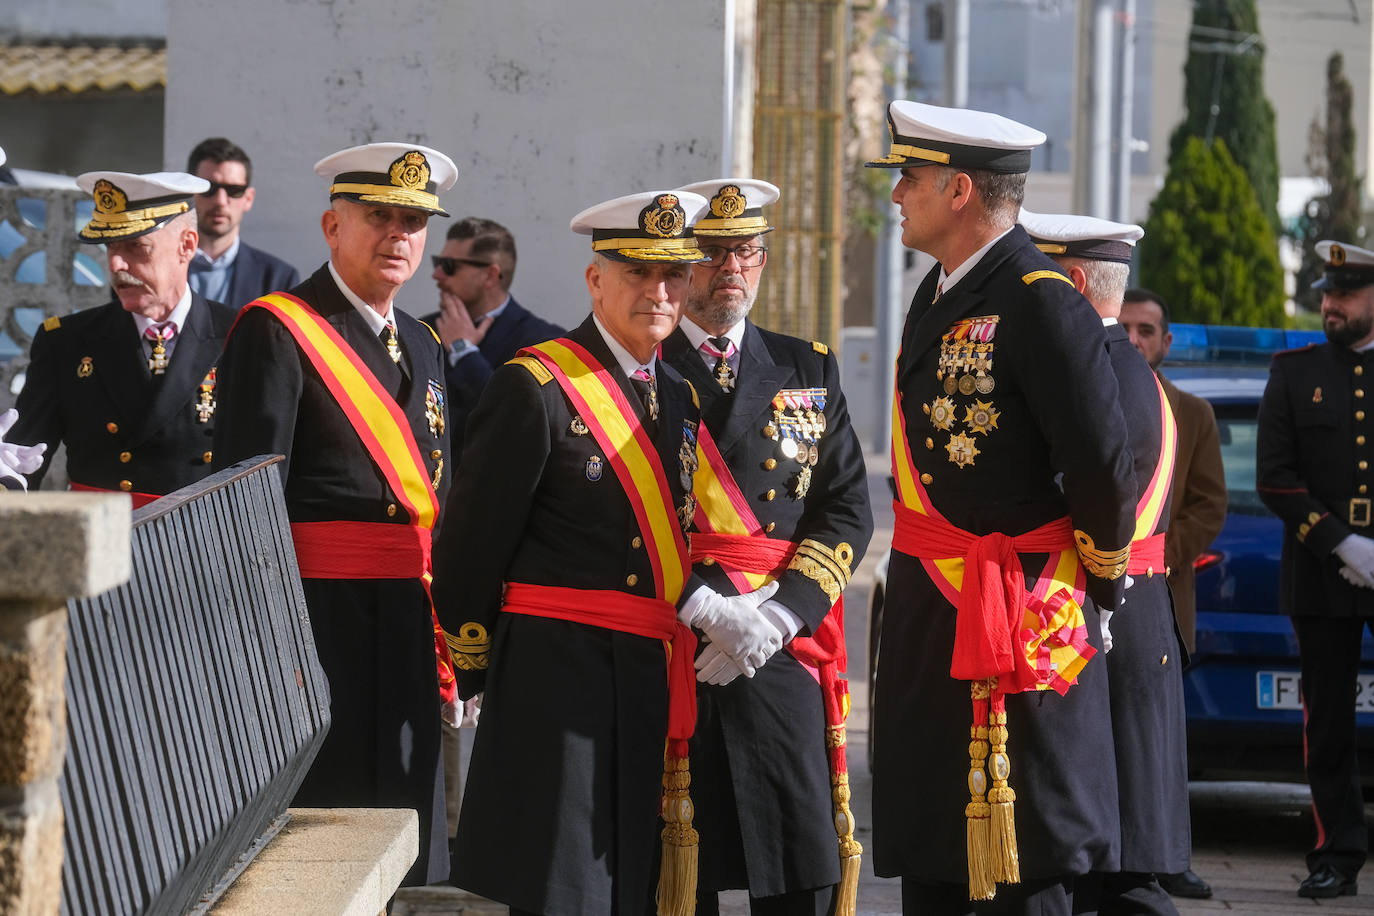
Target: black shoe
1185, 884
1327, 882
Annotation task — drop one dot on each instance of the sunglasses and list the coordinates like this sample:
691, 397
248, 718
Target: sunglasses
233, 190
450, 265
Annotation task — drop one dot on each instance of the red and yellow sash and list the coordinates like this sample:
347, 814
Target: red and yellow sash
386, 435
601, 404
730, 535
1147, 547
1006, 640
614, 424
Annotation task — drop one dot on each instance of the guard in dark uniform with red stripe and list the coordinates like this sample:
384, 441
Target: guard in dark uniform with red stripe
362, 539
1013, 524
130, 386
773, 406
556, 583
1144, 655
1314, 474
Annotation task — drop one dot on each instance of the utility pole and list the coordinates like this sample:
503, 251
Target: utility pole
1092, 147
1125, 139
956, 52
891, 254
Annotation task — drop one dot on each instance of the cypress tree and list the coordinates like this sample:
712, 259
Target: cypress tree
1331, 155
1224, 95
1208, 249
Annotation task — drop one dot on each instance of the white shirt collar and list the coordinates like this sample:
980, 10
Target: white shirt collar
223, 260
178, 316
496, 312
628, 364
947, 280
1108, 322
698, 336
374, 320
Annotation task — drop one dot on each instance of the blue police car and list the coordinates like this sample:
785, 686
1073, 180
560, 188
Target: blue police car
1243, 688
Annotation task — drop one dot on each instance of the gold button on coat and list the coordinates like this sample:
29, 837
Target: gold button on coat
637, 542
126, 485
770, 494
207, 457
1359, 440
1359, 370
770, 526
391, 509
927, 479
770, 464
126, 457
1364, 488
1364, 465
112, 427
709, 561
632, 579
1359, 392
929, 443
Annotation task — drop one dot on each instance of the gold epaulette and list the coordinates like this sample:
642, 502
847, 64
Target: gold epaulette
432, 331
470, 647
1034, 275
1105, 564
52, 324
820, 348
696, 402
537, 369
829, 568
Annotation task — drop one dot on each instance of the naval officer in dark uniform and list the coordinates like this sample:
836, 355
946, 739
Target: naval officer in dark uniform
130, 386
364, 478
1144, 658
1313, 472
1014, 518
556, 580
761, 776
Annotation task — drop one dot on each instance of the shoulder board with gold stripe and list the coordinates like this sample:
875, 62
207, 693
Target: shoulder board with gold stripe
52, 324
541, 375
696, 402
432, 331
1034, 275
819, 347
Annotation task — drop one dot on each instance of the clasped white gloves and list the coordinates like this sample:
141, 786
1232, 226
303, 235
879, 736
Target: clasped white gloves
742, 637
1357, 553
18, 460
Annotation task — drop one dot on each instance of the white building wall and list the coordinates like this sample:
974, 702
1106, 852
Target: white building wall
546, 108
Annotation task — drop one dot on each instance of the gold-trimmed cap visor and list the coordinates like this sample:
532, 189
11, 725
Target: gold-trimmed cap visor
618, 247
129, 205
376, 188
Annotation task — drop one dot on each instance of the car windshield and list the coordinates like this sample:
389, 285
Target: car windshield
1238, 428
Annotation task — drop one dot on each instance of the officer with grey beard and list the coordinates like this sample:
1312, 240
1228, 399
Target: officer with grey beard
1314, 473
782, 499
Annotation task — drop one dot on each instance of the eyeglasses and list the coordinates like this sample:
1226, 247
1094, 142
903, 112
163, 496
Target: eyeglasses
746, 255
233, 190
450, 265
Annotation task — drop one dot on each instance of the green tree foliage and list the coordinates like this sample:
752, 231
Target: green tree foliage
1208, 249
1330, 155
1224, 94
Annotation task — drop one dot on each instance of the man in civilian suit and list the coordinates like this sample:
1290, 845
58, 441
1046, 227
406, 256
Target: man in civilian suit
479, 322
225, 268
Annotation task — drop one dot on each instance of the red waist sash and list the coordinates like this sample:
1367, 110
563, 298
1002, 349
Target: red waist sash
361, 550
625, 613
140, 499
1147, 556
993, 592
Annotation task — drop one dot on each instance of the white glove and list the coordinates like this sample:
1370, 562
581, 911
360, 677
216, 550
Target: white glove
1357, 552
736, 625
472, 709
1103, 619
1355, 578
715, 667
18, 460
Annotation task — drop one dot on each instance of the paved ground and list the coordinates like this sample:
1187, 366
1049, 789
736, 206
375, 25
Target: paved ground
1249, 838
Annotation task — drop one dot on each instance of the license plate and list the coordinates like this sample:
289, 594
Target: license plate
1283, 690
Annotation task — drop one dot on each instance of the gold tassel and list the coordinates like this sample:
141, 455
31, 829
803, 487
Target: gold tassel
677, 876
851, 851
1006, 864
981, 883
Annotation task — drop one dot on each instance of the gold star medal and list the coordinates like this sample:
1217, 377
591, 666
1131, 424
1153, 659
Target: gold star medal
962, 449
